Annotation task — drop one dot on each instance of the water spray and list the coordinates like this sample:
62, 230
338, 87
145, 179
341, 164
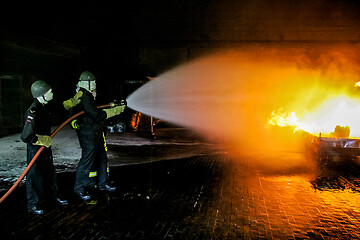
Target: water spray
229, 96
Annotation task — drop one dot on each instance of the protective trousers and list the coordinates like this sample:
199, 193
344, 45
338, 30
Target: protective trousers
41, 178
92, 167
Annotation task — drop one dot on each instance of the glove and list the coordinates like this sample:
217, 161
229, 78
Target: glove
43, 140
114, 111
73, 101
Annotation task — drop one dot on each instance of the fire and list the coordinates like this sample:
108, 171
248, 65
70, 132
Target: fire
339, 111
282, 119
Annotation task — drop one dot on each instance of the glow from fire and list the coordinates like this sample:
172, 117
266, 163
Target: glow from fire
254, 98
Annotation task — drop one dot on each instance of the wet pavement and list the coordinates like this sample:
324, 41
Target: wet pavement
208, 195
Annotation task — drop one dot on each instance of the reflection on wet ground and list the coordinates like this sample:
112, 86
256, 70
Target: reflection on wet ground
123, 155
206, 196
335, 176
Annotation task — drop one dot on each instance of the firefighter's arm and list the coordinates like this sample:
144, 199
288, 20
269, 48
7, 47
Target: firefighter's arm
114, 111
91, 110
73, 101
28, 135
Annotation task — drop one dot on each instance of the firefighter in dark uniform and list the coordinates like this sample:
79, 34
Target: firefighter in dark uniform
41, 178
92, 169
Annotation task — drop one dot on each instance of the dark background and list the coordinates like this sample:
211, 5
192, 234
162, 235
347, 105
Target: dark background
123, 42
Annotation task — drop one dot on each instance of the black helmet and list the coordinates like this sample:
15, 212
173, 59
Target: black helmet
39, 88
87, 76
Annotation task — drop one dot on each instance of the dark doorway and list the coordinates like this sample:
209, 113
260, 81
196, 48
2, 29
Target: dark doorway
11, 101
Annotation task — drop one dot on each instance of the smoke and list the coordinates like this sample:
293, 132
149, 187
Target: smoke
230, 95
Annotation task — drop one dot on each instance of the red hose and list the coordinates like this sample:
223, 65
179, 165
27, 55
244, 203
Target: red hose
39, 151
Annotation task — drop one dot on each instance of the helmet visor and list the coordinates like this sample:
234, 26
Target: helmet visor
88, 85
48, 96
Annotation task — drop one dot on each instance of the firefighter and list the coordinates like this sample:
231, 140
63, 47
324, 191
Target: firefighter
92, 169
41, 178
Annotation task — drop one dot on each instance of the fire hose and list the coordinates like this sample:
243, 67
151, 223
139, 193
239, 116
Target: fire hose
42, 148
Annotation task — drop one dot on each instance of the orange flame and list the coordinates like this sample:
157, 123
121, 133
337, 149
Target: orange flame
342, 111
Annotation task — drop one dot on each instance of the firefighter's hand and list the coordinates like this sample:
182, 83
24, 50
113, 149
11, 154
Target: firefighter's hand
73, 101
43, 140
114, 111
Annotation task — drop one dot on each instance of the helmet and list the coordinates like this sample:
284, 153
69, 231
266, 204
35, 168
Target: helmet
87, 76
39, 88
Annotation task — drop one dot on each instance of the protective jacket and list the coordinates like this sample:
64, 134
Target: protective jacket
41, 177
92, 167
93, 120
41, 125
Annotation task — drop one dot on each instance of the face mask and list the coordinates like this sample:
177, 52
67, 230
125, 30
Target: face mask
92, 86
89, 86
47, 97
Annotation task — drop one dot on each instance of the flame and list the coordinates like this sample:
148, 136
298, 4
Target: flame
283, 119
339, 111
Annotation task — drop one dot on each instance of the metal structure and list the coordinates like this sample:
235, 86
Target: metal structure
337, 149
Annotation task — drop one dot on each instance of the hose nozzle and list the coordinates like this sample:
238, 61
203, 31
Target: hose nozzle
123, 103
118, 103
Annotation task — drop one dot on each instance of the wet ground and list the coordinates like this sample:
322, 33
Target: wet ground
123, 149
199, 192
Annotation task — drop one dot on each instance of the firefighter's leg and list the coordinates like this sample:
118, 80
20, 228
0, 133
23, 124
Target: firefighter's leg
34, 180
102, 161
103, 170
32, 187
50, 176
85, 165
